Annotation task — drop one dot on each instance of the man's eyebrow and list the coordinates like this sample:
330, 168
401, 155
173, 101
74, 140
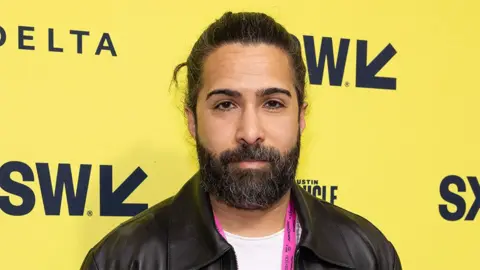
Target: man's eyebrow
273, 90
226, 92
261, 92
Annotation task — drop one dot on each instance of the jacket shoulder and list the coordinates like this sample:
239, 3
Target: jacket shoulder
360, 234
144, 235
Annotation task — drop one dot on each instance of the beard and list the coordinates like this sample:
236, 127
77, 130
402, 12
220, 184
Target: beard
248, 188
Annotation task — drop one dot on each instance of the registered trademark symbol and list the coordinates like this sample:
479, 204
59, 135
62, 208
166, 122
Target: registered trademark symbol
347, 84
89, 213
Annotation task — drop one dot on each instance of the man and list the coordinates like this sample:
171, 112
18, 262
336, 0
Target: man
245, 105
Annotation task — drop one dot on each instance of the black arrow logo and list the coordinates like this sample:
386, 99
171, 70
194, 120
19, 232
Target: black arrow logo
366, 74
112, 202
3, 36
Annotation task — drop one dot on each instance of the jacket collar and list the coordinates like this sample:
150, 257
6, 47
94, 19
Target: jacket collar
194, 242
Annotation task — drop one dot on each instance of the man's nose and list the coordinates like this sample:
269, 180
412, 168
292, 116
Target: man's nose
250, 129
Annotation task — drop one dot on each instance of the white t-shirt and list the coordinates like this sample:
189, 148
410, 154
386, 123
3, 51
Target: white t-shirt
259, 253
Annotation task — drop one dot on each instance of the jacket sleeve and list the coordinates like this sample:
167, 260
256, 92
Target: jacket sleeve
89, 262
395, 259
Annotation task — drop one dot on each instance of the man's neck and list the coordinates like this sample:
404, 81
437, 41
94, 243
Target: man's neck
252, 223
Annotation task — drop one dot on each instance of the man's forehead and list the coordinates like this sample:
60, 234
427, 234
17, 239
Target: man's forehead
247, 68
236, 56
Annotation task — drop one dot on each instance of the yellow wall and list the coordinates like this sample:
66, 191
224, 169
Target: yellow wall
384, 152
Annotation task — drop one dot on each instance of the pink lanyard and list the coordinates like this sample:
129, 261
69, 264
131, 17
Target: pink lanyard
289, 237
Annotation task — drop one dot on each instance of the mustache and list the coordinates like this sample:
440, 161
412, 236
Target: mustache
250, 153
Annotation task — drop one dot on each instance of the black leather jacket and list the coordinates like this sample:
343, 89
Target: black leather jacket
179, 234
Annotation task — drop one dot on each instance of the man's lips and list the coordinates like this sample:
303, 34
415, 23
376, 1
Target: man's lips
252, 164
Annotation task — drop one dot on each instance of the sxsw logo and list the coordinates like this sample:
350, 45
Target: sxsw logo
457, 198
319, 55
111, 201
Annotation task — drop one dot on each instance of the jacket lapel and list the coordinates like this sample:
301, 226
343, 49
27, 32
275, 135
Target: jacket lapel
320, 233
193, 241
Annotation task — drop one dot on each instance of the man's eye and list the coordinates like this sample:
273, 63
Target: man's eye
273, 104
225, 106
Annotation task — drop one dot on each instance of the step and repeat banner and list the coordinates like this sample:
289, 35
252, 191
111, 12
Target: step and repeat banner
92, 131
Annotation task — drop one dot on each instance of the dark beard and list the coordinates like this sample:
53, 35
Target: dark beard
248, 189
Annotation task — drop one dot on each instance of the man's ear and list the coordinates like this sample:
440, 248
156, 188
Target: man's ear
302, 121
191, 121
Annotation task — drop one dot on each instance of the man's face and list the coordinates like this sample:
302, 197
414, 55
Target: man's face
248, 125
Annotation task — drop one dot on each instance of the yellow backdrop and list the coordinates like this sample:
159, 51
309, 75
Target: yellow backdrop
84, 100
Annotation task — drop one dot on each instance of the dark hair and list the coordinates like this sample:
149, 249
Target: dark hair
244, 28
